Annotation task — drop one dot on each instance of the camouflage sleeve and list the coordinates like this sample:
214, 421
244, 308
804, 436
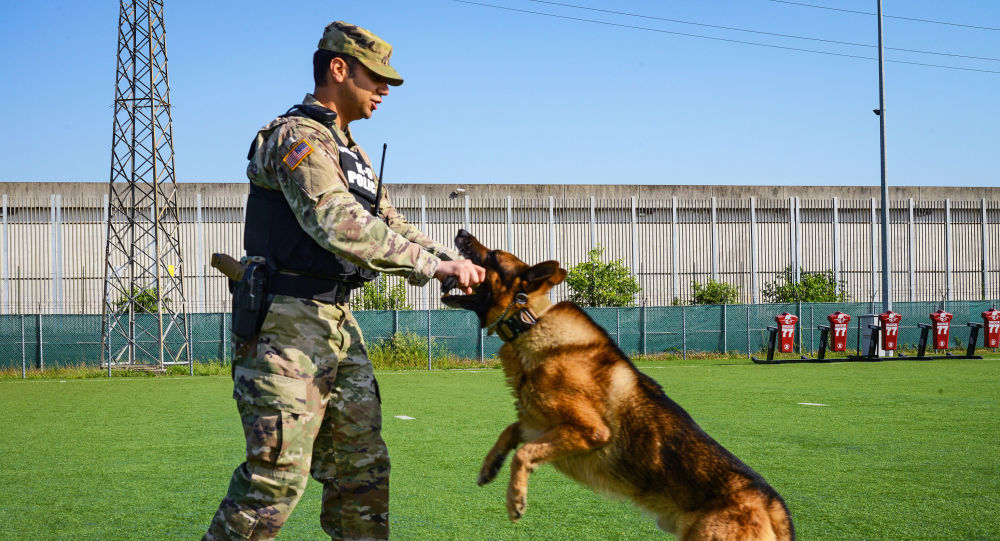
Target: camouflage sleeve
311, 179
397, 222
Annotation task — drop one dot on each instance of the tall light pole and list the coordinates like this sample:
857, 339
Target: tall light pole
886, 268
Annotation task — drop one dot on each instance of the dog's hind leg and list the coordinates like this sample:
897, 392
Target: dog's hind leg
560, 441
509, 439
737, 523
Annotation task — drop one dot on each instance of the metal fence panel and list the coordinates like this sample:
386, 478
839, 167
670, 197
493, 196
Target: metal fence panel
54, 245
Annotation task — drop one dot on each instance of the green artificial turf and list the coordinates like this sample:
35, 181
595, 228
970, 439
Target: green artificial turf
900, 450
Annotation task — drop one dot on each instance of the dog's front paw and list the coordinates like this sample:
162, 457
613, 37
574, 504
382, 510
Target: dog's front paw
485, 477
517, 502
491, 467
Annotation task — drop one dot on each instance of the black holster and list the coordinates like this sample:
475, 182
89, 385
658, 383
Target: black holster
250, 301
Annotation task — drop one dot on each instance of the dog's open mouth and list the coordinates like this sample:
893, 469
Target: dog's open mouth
466, 249
450, 285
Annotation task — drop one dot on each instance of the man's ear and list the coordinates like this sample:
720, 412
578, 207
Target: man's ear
338, 71
544, 273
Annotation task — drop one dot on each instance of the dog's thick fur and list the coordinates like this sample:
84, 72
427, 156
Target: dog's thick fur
583, 406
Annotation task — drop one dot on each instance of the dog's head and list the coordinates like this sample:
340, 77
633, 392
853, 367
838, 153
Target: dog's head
506, 277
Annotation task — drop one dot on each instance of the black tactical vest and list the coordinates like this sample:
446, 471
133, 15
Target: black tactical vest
273, 232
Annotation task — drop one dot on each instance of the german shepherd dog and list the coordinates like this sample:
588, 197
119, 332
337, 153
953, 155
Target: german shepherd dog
583, 406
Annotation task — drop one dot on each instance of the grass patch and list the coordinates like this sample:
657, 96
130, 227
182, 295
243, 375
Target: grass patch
89, 371
902, 450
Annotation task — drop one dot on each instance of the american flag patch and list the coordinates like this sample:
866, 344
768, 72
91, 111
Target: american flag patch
297, 154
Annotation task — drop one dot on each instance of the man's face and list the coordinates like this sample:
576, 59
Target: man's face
364, 91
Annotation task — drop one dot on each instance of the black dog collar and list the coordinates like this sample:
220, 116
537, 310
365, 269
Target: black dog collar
518, 322
521, 321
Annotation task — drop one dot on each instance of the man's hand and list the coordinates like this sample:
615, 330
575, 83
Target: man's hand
466, 272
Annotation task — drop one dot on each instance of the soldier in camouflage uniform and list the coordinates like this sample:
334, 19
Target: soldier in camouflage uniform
304, 386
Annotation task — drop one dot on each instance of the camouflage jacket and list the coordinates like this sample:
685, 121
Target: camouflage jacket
316, 188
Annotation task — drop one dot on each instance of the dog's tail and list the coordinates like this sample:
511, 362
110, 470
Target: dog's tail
781, 520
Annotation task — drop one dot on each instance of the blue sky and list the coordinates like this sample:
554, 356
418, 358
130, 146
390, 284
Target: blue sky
501, 96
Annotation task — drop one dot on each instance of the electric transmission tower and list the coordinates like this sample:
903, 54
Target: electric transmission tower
145, 317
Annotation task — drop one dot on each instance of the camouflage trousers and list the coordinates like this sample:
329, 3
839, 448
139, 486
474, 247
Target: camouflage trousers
309, 404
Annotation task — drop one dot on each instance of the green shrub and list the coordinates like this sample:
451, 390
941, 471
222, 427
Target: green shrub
403, 350
714, 292
408, 350
811, 287
142, 301
596, 283
382, 293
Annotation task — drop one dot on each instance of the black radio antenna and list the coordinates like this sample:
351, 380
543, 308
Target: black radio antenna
378, 188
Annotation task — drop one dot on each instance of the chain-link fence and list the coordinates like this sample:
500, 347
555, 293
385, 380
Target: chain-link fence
44, 341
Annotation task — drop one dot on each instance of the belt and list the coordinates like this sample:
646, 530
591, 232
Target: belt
308, 287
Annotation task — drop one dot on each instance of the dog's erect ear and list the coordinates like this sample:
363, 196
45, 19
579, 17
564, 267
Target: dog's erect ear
544, 273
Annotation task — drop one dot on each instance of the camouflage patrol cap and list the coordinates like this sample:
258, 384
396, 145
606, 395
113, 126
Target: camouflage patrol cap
369, 49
